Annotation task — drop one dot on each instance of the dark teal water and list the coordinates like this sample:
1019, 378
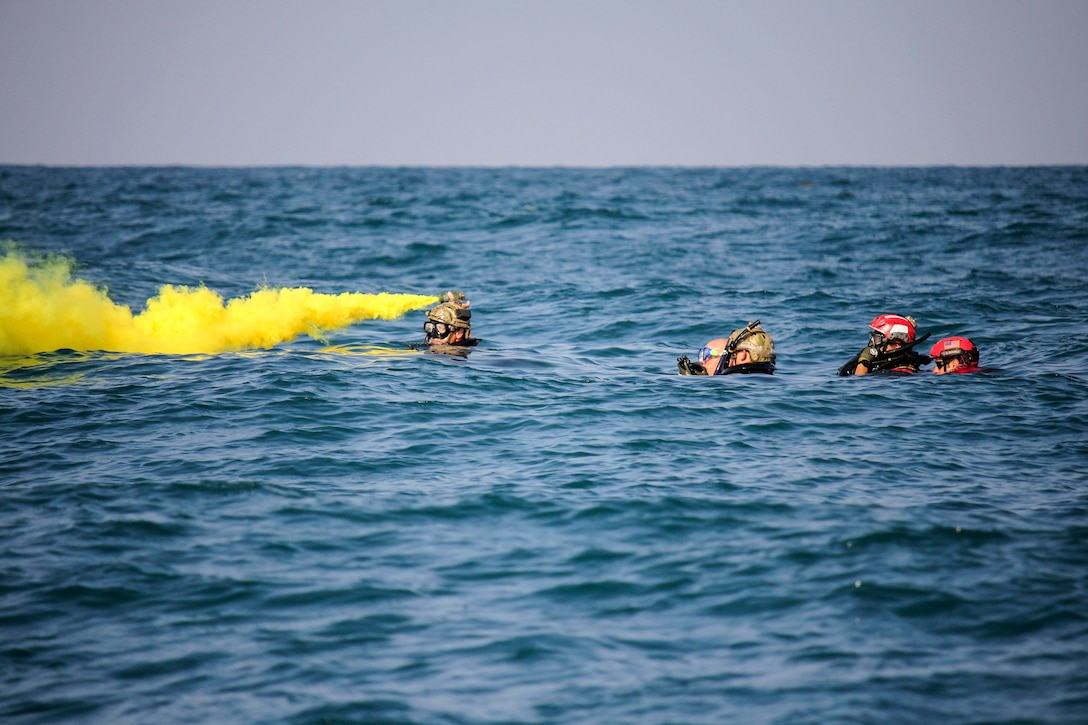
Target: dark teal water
557, 528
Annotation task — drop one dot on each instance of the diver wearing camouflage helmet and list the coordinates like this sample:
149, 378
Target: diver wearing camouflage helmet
747, 350
449, 323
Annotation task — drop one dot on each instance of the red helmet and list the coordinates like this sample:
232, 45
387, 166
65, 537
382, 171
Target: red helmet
955, 347
894, 327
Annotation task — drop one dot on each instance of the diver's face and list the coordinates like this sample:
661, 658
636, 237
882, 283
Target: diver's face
948, 366
710, 354
442, 333
878, 341
456, 335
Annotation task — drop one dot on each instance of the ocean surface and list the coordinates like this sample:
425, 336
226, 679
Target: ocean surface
555, 528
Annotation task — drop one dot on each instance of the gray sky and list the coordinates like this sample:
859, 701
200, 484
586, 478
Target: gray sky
556, 82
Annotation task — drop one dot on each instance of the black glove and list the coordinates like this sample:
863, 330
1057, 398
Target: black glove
687, 367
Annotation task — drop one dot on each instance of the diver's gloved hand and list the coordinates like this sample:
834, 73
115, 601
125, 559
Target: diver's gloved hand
687, 367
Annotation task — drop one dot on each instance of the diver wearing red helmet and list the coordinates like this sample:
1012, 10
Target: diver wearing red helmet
890, 350
954, 355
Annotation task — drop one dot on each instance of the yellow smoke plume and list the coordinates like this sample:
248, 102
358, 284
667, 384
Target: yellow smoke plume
43, 308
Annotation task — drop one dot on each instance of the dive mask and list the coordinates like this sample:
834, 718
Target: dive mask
705, 353
437, 329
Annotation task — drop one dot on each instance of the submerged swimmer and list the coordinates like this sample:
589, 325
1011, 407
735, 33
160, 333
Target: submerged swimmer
449, 324
890, 350
954, 355
747, 350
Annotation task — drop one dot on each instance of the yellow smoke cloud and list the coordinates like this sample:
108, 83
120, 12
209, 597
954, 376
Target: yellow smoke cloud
43, 308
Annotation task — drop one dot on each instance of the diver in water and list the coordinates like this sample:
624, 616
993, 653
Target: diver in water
747, 350
890, 350
954, 355
448, 327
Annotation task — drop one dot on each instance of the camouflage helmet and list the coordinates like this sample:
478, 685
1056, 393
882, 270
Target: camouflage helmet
450, 315
452, 311
755, 341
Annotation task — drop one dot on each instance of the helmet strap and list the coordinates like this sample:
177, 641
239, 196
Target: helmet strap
744, 335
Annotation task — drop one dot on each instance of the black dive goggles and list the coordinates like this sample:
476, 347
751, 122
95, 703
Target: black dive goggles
945, 358
437, 329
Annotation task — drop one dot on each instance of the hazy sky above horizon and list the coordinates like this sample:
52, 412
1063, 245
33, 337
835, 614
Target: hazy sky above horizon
556, 83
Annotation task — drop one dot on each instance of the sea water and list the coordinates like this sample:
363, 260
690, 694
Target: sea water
336, 527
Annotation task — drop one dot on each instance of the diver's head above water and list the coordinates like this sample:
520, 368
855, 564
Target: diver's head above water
449, 322
750, 350
890, 349
712, 355
747, 350
890, 332
954, 355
